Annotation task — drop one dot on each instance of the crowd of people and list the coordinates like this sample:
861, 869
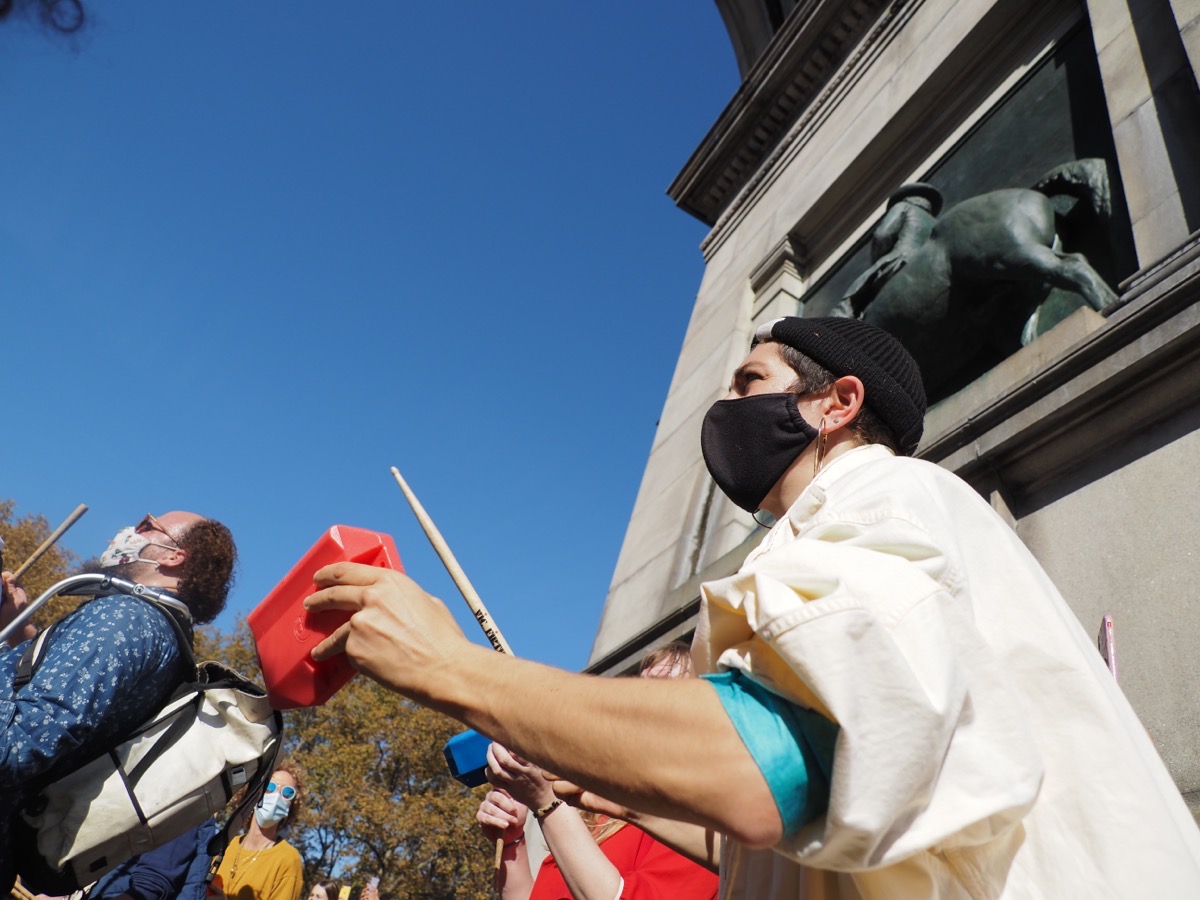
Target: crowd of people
893, 699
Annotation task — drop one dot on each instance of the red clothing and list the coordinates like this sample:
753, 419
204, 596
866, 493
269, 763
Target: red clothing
650, 869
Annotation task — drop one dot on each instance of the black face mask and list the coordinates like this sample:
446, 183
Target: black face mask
749, 443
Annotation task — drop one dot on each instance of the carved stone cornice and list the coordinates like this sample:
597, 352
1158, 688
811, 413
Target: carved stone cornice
807, 52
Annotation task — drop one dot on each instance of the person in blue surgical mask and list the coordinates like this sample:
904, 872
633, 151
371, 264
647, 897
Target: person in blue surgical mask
261, 865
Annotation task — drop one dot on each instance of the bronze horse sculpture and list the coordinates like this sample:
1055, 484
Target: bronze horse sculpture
959, 289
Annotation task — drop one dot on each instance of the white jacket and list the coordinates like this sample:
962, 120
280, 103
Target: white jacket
985, 750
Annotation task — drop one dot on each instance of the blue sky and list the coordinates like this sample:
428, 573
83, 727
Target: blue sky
256, 253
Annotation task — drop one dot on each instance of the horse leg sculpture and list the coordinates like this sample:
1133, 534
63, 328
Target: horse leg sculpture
1077, 274
1070, 271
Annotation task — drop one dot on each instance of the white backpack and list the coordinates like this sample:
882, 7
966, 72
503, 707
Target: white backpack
216, 734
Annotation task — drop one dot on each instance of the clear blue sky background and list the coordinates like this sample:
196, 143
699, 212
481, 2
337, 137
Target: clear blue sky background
256, 253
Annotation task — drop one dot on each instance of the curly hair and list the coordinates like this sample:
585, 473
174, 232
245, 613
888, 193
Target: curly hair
294, 808
294, 769
208, 572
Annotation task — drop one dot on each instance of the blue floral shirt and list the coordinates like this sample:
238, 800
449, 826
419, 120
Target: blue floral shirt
109, 666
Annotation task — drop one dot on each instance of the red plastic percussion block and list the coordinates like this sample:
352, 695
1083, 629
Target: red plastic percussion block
285, 633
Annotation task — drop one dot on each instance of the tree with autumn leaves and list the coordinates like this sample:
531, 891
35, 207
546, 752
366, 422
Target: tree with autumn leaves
380, 798
21, 537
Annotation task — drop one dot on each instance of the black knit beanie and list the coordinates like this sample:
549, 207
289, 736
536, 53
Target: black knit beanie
890, 375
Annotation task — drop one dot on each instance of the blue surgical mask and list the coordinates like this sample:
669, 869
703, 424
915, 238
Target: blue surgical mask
272, 809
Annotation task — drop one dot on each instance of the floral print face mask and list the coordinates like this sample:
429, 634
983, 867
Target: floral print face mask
126, 547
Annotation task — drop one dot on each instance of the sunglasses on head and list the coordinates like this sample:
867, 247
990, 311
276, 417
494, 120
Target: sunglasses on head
287, 790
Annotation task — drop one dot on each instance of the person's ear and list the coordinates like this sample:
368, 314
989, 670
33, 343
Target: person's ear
843, 402
172, 558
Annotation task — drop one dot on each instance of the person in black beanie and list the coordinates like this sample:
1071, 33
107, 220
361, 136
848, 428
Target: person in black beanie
895, 700
750, 446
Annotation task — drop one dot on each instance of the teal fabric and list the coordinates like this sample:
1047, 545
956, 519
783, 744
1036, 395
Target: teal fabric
792, 747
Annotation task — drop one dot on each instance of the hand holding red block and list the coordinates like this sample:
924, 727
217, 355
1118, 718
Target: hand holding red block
285, 633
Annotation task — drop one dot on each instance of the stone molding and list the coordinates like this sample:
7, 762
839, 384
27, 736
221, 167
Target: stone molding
684, 605
778, 281
787, 81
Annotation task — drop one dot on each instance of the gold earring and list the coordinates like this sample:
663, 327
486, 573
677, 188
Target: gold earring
822, 446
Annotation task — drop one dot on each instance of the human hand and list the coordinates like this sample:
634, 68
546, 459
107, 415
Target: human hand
12, 601
520, 778
500, 816
398, 634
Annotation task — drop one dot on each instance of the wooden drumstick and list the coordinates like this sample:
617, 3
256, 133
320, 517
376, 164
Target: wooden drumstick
464, 587
460, 577
50, 541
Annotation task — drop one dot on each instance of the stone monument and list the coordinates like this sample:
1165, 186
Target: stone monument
1083, 427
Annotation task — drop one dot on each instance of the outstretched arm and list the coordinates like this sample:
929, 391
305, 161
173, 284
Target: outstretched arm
680, 756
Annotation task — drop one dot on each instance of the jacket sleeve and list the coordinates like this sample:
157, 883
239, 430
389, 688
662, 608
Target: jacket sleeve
159, 874
934, 750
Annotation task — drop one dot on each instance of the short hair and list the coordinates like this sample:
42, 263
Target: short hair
676, 653
330, 888
867, 427
207, 573
842, 346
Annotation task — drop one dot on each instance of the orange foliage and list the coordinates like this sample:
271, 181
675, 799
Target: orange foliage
21, 537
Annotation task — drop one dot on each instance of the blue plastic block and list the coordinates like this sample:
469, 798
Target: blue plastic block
466, 754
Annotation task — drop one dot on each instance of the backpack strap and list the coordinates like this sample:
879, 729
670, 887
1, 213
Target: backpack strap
181, 625
32, 657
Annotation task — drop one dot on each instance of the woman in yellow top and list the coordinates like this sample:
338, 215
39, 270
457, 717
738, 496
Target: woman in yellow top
259, 865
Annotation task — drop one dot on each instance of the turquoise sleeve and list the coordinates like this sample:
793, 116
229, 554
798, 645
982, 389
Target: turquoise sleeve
792, 746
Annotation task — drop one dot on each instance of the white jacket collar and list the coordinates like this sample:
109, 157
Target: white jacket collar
812, 498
